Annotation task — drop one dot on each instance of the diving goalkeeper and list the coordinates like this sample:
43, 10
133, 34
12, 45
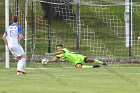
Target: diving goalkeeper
76, 59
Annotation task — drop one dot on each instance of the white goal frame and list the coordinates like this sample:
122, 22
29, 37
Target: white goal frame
7, 65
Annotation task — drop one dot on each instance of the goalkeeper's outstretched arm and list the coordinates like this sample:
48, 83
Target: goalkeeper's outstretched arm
54, 54
53, 60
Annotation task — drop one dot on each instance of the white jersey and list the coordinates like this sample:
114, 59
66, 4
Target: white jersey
12, 33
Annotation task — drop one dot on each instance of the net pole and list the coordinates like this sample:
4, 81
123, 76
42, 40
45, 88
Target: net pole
49, 25
32, 27
7, 65
130, 27
78, 41
127, 22
26, 26
16, 7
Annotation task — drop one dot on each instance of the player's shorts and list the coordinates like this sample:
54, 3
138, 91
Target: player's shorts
80, 59
17, 50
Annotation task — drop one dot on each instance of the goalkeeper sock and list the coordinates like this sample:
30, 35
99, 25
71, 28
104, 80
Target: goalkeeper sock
86, 66
97, 62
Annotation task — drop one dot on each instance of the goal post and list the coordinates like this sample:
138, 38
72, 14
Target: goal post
78, 21
26, 27
95, 27
128, 24
6, 25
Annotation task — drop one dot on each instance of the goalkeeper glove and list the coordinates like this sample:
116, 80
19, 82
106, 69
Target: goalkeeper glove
45, 61
49, 54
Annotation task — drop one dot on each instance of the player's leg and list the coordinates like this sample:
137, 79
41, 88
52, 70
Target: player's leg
21, 62
91, 60
80, 65
18, 52
95, 61
79, 62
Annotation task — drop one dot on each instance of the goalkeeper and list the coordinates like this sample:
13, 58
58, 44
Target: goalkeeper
76, 59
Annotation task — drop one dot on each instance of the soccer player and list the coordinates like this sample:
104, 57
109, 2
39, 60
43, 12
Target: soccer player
76, 59
12, 38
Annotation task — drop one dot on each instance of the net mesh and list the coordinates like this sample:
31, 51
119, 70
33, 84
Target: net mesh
102, 30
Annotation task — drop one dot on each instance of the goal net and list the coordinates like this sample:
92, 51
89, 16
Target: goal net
95, 27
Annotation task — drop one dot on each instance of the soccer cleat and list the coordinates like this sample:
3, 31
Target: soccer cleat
105, 64
20, 72
96, 66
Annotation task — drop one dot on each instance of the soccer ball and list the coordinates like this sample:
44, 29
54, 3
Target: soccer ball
44, 61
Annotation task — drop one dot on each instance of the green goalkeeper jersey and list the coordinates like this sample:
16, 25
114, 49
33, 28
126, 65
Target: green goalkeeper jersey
71, 57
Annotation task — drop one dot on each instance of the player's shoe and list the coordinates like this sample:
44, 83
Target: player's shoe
21, 72
105, 64
96, 66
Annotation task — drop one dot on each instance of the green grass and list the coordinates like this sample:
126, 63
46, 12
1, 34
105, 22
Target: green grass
60, 80
91, 16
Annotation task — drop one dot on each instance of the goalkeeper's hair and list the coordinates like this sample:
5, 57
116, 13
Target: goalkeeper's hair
60, 45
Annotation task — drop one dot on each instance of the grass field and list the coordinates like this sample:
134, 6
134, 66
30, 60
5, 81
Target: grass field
62, 80
70, 80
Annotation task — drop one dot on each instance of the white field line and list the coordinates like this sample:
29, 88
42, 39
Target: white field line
85, 68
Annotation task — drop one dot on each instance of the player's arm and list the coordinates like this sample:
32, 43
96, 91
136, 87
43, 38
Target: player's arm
21, 38
4, 38
54, 54
20, 32
58, 52
54, 59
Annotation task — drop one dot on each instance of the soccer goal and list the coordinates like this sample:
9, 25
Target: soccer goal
101, 29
